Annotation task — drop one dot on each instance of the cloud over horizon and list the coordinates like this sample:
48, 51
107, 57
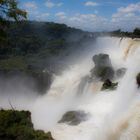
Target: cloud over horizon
90, 15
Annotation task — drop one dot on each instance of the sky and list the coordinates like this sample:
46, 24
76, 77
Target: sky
89, 15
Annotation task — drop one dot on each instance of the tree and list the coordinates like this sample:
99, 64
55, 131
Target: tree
136, 31
9, 11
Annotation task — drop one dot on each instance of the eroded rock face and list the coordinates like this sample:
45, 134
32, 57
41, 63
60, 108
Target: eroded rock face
74, 117
43, 81
103, 69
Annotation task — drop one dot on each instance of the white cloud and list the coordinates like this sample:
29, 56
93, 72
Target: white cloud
51, 4
127, 17
59, 4
89, 22
126, 11
31, 8
91, 3
43, 16
130, 8
60, 15
30, 5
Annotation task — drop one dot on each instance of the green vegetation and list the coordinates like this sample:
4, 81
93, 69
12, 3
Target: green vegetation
17, 125
34, 46
13, 63
9, 11
134, 34
30, 43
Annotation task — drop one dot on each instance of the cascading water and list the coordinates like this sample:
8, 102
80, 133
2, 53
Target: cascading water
113, 115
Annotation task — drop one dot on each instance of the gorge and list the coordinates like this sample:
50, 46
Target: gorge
104, 114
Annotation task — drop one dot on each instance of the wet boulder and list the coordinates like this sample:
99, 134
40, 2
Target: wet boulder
103, 69
120, 72
138, 79
102, 73
101, 60
108, 85
74, 117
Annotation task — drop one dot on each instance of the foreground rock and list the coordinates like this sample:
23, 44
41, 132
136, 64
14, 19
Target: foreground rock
108, 85
74, 117
17, 125
103, 69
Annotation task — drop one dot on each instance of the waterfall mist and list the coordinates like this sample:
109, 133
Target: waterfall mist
114, 115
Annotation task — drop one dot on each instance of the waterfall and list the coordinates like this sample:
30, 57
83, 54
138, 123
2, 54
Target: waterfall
113, 115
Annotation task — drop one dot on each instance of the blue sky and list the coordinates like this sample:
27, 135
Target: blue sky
91, 15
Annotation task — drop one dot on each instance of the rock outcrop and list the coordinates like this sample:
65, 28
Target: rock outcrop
103, 69
43, 80
74, 117
37, 81
108, 85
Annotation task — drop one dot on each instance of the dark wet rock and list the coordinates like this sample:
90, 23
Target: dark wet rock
74, 117
35, 80
108, 85
120, 72
101, 60
103, 69
138, 79
103, 73
42, 80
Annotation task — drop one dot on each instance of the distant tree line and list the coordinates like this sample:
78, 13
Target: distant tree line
30, 37
134, 34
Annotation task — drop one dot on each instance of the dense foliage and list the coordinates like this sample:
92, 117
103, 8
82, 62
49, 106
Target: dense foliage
9, 11
32, 42
39, 49
17, 125
134, 34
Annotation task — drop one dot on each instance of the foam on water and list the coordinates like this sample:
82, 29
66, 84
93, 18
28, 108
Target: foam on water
114, 115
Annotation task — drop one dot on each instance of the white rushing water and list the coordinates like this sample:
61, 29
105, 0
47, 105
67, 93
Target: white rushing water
114, 115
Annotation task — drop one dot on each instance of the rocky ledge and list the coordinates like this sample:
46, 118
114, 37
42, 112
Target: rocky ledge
17, 125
